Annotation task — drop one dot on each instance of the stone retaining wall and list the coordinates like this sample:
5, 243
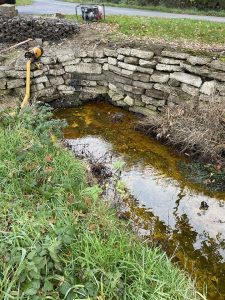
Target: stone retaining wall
140, 80
18, 28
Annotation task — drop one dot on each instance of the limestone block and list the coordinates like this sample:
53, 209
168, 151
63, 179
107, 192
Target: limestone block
152, 101
138, 103
141, 77
164, 88
101, 60
147, 63
110, 52
128, 88
120, 57
72, 62
112, 61
177, 55
115, 96
80, 53
203, 71
145, 70
168, 68
37, 87
16, 74
114, 88
127, 72
131, 60
120, 79
2, 74
2, 84
41, 79
160, 77
169, 61
151, 107
105, 67
99, 53
127, 66
65, 88
187, 78
142, 54
15, 83
87, 60
218, 65
56, 72
46, 60
100, 90
217, 75
65, 57
129, 101
156, 94
197, 60
208, 88
124, 51
174, 82
137, 90
83, 68
143, 85
142, 110
193, 91
56, 80
114, 69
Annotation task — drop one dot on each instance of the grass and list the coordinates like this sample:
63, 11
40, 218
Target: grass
24, 2
58, 238
161, 8
170, 29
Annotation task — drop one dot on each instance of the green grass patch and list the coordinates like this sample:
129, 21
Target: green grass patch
58, 239
161, 8
170, 29
24, 2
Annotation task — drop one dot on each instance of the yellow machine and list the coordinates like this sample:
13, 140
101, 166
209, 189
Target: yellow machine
31, 56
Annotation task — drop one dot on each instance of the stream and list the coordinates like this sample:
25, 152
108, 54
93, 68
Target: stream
165, 205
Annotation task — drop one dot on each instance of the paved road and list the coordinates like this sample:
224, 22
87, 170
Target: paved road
53, 6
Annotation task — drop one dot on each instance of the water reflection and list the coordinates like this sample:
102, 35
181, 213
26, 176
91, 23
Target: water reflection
168, 205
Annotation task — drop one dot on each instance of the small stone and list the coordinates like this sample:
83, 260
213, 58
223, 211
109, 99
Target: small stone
168, 68
141, 77
131, 60
147, 63
145, 70
208, 88
169, 61
11, 84
187, 78
218, 65
129, 101
143, 85
2, 84
156, 94
177, 55
58, 80
120, 57
112, 61
142, 54
110, 52
83, 68
127, 66
160, 77
124, 51
197, 60
193, 91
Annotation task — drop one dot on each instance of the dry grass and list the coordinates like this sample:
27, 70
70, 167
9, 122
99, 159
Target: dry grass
199, 131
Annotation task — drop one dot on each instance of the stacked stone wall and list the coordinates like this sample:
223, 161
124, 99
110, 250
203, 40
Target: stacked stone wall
140, 80
20, 28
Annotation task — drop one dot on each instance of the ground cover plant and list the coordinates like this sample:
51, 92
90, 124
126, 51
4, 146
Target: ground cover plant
170, 29
23, 2
58, 238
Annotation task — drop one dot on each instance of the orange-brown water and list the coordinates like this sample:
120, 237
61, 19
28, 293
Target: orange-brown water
167, 207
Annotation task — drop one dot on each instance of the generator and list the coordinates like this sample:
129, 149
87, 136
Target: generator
90, 12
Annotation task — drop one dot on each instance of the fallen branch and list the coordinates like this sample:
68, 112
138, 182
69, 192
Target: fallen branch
15, 46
